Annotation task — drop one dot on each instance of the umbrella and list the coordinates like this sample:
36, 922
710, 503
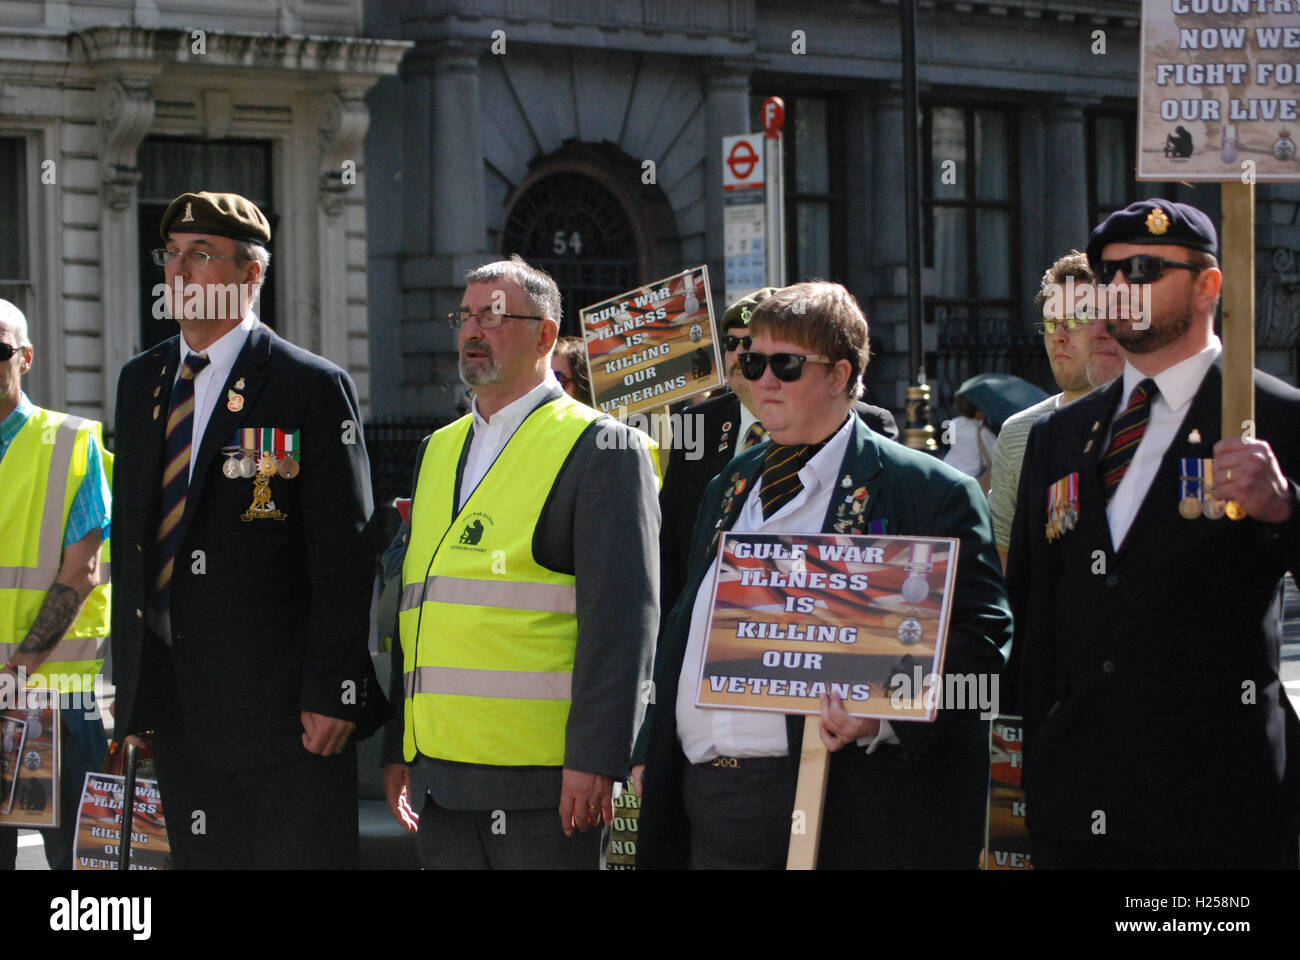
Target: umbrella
1000, 395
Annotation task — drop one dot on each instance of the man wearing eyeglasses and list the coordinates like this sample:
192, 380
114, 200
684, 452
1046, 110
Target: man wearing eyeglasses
529, 603
729, 425
719, 784
1082, 356
54, 594
243, 566
1157, 732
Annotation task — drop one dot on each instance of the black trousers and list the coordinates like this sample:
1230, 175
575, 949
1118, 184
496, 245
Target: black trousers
739, 813
502, 840
296, 815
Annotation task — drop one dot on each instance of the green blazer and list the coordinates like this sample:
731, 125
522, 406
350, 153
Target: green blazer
919, 804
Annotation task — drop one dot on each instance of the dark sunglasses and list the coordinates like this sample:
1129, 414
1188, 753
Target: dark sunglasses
786, 367
1141, 268
731, 343
7, 352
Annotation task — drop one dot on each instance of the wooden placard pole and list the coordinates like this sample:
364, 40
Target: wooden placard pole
1238, 245
809, 798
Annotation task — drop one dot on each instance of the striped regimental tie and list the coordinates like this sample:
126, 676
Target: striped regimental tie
1126, 434
781, 467
176, 475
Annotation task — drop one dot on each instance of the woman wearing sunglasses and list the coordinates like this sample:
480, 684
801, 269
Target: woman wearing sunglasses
721, 782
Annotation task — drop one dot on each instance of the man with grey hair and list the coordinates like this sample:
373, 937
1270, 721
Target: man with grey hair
54, 601
243, 567
529, 602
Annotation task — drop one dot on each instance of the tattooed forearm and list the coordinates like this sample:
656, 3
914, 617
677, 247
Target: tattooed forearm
60, 608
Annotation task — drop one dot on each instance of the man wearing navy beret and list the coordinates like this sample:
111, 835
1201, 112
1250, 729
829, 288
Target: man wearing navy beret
1157, 731
241, 503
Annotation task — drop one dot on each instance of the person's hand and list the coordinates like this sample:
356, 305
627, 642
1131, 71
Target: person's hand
397, 782
324, 735
638, 773
1246, 471
584, 799
838, 729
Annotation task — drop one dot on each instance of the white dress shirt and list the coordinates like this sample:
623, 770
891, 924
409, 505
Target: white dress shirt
1177, 385
747, 420
707, 733
492, 434
210, 381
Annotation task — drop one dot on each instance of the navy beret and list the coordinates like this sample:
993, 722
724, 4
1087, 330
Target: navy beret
220, 214
1154, 221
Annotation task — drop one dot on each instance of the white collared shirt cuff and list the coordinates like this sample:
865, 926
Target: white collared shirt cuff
886, 735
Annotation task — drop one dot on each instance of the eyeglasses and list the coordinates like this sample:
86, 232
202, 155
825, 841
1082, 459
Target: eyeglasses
731, 343
7, 352
786, 367
1048, 327
486, 319
564, 378
194, 259
1141, 268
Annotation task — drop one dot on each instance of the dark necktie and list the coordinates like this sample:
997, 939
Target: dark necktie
1126, 434
176, 475
781, 467
753, 436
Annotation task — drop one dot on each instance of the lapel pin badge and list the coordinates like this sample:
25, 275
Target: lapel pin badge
156, 408
234, 401
1194, 436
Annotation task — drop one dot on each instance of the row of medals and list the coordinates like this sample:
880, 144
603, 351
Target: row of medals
245, 463
1191, 507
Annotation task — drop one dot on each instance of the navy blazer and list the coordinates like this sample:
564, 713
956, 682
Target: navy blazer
1149, 675
269, 617
920, 804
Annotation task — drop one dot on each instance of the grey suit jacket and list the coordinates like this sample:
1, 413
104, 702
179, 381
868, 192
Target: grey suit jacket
601, 524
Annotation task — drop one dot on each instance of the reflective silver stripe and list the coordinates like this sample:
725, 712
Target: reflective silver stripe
51, 543
49, 551
66, 650
26, 578
105, 573
507, 594
511, 684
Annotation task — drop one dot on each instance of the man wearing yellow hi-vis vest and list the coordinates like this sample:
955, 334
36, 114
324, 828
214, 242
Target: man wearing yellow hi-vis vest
54, 594
529, 602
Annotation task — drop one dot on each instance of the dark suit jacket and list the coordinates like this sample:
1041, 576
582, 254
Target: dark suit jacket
272, 618
1150, 686
919, 804
688, 474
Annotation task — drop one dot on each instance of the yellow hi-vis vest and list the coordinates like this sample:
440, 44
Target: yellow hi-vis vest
40, 474
488, 634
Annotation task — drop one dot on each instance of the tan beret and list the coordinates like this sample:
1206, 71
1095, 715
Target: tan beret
220, 214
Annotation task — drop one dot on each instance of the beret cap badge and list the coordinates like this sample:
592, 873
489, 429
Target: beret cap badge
1157, 222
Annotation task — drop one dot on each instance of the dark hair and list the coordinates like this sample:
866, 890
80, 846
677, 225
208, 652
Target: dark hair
574, 350
1073, 264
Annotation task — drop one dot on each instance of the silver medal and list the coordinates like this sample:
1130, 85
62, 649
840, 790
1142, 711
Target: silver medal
909, 631
916, 588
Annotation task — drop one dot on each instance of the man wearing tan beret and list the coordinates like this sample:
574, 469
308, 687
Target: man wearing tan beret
243, 569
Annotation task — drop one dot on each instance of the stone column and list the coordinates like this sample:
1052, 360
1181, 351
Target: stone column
124, 114
726, 103
1065, 174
